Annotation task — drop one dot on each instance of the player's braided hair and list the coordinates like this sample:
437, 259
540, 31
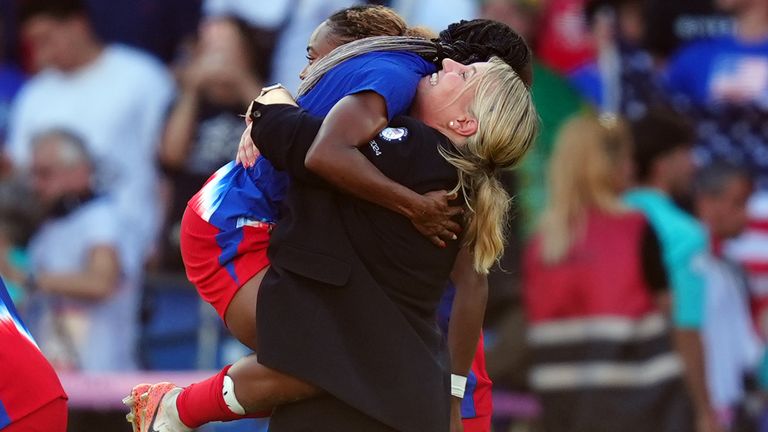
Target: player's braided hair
466, 42
480, 39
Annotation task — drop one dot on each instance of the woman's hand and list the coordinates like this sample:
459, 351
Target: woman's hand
247, 153
432, 217
276, 94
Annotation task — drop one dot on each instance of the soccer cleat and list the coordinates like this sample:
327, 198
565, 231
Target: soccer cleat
157, 410
135, 402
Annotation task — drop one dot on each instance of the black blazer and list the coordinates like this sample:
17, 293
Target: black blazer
349, 302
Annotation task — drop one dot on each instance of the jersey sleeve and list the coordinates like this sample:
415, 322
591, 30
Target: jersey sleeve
394, 81
407, 151
393, 75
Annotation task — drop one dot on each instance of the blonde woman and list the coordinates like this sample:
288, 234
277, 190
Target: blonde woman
603, 360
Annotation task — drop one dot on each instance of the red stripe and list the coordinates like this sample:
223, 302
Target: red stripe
758, 225
756, 267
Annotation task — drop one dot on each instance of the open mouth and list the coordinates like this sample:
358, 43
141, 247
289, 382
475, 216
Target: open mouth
433, 79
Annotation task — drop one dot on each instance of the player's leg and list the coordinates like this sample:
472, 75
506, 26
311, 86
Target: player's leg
260, 388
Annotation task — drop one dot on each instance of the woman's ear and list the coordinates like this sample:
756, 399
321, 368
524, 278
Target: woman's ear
465, 126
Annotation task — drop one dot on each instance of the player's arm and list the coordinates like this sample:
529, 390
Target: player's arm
353, 122
466, 322
688, 312
334, 156
467, 313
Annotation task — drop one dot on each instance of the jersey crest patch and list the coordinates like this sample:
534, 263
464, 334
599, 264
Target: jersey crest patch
394, 134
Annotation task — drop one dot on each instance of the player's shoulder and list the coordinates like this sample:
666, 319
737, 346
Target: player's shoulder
421, 139
406, 128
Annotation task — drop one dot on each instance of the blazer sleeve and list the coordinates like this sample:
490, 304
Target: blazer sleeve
283, 134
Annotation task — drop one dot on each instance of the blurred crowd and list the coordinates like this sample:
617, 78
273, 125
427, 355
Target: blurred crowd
637, 267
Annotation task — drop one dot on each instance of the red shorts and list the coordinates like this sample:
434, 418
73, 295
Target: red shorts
51, 417
481, 398
477, 424
217, 276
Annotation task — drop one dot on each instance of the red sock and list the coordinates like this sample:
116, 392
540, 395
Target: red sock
202, 403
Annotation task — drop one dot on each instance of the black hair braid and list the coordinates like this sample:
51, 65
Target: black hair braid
480, 39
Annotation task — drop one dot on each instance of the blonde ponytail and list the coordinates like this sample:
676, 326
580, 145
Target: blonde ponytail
507, 126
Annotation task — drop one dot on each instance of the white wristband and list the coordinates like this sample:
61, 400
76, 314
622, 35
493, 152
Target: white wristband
458, 384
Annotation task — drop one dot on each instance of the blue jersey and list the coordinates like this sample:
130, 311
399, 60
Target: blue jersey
236, 196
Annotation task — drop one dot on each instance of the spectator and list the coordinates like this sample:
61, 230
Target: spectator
622, 78
86, 299
602, 349
663, 144
19, 218
723, 83
750, 250
564, 42
112, 96
731, 346
205, 123
674, 23
264, 22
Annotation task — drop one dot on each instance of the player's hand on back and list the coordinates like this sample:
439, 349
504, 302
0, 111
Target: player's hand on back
433, 217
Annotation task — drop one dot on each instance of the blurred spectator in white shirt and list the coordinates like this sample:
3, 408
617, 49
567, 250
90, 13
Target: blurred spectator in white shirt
732, 348
113, 96
84, 300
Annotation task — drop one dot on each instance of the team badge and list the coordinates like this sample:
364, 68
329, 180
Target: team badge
394, 134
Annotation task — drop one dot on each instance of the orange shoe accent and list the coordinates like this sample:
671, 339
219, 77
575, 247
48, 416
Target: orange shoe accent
135, 402
152, 399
